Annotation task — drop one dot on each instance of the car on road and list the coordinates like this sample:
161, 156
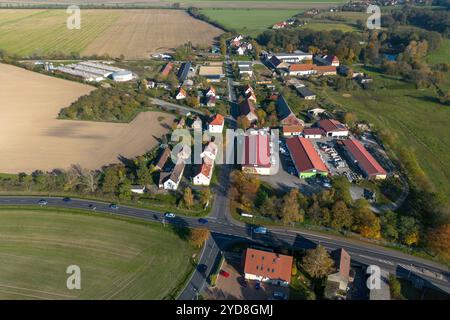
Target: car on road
169, 215
113, 206
202, 221
202, 268
224, 274
42, 202
260, 230
66, 199
92, 207
279, 295
257, 285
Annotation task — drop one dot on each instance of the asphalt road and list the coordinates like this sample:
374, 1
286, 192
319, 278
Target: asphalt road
228, 231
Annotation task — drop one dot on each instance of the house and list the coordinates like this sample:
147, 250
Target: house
276, 63
251, 96
248, 89
210, 101
137, 189
241, 50
166, 70
247, 109
183, 71
171, 180
305, 157
333, 128
341, 276
163, 159
363, 159
267, 267
292, 130
279, 25
211, 92
285, 114
181, 123
182, 94
216, 124
301, 69
313, 133
305, 93
256, 153
327, 60
150, 84
209, 154
204, 175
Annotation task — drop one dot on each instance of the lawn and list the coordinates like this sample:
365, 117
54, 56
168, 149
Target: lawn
415, 116
327, 26
249, 21
441, 55
118, 258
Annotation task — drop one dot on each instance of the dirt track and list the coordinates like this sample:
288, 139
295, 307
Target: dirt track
138, 33
32, 138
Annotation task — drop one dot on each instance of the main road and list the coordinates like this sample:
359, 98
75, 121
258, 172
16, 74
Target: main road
225, 231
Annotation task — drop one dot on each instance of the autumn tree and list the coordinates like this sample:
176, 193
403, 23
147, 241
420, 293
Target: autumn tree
290, 210
365, 221
408, 230
243, 123
197, 237
188, 197
341, 215
205, 196
317, 262
438, 240
270, 207
110, 180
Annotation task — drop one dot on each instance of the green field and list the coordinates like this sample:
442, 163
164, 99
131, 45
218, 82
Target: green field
418, 120
250, 21
441, 55
118, 258
326, 26
25, 32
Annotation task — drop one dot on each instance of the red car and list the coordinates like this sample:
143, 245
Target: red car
224, 274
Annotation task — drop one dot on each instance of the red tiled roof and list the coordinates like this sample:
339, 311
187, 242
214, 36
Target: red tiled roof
205, 169
301, 67
292, 128
182, 91
325, 68
364, 158
256, 151
341, 262
329, 125
217, 120
268, 265
304, 155
313, 131
167, 69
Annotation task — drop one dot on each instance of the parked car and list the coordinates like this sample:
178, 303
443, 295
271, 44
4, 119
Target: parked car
257, 285
169, 215
113, 206
224, 274
42, 202
202, 221
279, 295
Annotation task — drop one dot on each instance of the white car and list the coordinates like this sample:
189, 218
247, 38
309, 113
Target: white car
169, 215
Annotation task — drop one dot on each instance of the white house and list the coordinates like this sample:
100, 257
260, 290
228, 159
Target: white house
209, 154
171, 180
216, 124
211, 92
181, 94
137, 189
203, 177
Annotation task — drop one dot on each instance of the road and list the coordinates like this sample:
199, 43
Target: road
224, 232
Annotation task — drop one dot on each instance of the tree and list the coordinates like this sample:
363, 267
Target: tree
438, 240
388, 223
290, 210
341, 216
270, 207
205, 196
110, 180
243, 122
143, 174
317, 262
197, 237
188, 197
125, 190
365, 221
408, 230
395, 287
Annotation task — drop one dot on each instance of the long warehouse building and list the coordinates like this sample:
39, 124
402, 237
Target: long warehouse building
365, 161
306, 159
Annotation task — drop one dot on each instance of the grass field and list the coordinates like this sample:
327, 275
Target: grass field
327, 26
133, 33
119, 259
32, 138
419, 121
252, 21
441, 55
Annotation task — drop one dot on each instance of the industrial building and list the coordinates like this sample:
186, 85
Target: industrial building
256, 153
306, 159
333, 128
363, 159
95, 71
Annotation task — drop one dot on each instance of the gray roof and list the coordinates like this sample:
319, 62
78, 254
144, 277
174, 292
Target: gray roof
305, 92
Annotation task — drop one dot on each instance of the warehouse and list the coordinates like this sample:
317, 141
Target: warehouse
256, 153
363, 159
306, 159
333, 128
122, 76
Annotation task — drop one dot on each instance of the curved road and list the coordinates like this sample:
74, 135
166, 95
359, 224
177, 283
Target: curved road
224, 231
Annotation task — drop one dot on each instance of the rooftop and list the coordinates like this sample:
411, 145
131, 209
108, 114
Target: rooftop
268, 264
329, 125
305, 156
365, 160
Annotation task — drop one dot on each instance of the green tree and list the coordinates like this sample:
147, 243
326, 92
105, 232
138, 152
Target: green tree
188, 197
143, 174
205, 196
290, 210
125, 190
408, 230
341, 216
110, 180
388, 222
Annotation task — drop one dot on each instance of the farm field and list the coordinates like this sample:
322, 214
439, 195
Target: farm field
132, 33
118, 258
440, 55
327, 26
414, 116
32, 138
252, 21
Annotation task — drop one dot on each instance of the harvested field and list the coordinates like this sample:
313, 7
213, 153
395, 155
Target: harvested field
132, 33
151, 31
32, 138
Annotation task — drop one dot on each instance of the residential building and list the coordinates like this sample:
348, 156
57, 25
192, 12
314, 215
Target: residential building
301, 69
216, 124
211, 92
342, 268
166, 70
327, 60
333, 128
182, 94
247, 109
292, 130
163, 159
279, 25
285, 114
197, 124
295, 57
363, 159
305, 157
276, 63
256, 153
171, 180
211, 101
204, 175
267, 267
209, 154
325, 70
